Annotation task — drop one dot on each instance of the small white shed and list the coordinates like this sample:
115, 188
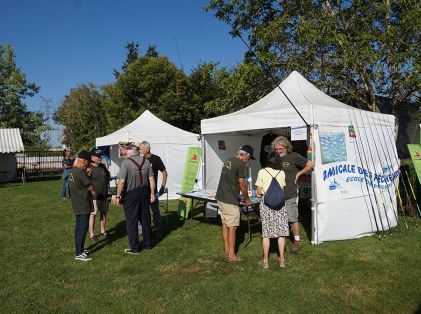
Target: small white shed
10, 143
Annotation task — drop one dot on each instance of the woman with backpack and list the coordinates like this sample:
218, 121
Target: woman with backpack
274, 220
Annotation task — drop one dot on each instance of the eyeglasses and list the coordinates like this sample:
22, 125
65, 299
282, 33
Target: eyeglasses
280, 148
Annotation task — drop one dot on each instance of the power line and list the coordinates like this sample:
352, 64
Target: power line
178, 53
46, 106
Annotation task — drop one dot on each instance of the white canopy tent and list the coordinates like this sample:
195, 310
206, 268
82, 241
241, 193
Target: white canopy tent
167, 141
10, 143
354, 153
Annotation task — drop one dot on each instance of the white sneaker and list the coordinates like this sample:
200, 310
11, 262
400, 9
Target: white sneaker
129, 251
83, 257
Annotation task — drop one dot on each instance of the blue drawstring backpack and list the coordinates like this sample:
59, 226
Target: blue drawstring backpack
274, 197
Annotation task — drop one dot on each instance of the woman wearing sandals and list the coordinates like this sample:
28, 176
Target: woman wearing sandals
274, 222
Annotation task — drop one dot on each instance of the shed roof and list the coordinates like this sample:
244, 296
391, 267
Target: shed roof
10, 141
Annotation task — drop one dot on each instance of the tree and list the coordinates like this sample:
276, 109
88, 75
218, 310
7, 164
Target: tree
131, 55
151, 52
239, 88
356, 49
83, 116
154, 83
14, 88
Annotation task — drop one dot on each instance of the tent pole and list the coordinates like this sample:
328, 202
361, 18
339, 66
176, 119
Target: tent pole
314, 224
202, 140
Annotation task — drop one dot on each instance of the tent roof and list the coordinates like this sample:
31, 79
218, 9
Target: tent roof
148, 127
274, 110
10, 141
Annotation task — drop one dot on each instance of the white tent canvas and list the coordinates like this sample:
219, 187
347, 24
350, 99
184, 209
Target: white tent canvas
354, 153
167, 141
10, 143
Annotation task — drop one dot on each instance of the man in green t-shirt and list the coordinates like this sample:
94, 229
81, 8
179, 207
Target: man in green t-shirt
294, 165
231, 182
81, 191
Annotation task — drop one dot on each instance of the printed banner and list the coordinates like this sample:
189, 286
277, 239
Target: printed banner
415, 151
189, 179
349, 164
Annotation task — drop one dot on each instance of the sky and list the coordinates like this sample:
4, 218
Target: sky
60, 44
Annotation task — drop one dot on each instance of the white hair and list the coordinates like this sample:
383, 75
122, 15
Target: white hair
146, 144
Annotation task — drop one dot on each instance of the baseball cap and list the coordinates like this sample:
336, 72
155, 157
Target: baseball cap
248, 149
96, 153
131, 146
83, 154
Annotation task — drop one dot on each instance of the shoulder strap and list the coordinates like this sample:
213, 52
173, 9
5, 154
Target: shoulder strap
140, 168
272, 175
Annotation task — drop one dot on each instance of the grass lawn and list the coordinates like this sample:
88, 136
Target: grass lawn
186, 271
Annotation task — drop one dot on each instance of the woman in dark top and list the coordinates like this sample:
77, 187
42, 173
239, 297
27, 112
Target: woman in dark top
67, 163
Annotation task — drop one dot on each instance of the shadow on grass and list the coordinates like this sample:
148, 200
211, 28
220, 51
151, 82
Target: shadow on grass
242, 231
113, 234
170, 221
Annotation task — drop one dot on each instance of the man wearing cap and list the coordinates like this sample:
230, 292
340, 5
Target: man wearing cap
137, 181
231, 182
100, 179
122, 149
157, 165
81, 190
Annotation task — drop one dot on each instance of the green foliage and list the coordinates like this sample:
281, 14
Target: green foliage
13, 112
153, 83
152, 52
131, 55
186, 272
237, 88
83, 115
361, 49
408, 165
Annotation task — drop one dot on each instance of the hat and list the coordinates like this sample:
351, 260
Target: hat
96, 153
131, 146
248, 149
83, 154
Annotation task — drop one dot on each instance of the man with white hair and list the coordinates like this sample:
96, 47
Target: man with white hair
136, 181
294, 165
157, 165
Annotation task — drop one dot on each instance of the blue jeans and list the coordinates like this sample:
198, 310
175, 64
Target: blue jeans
65, 189
81, 228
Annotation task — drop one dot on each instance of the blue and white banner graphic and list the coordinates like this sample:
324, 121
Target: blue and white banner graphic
352, 164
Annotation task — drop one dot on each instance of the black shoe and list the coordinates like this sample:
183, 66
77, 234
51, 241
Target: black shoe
147, 248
